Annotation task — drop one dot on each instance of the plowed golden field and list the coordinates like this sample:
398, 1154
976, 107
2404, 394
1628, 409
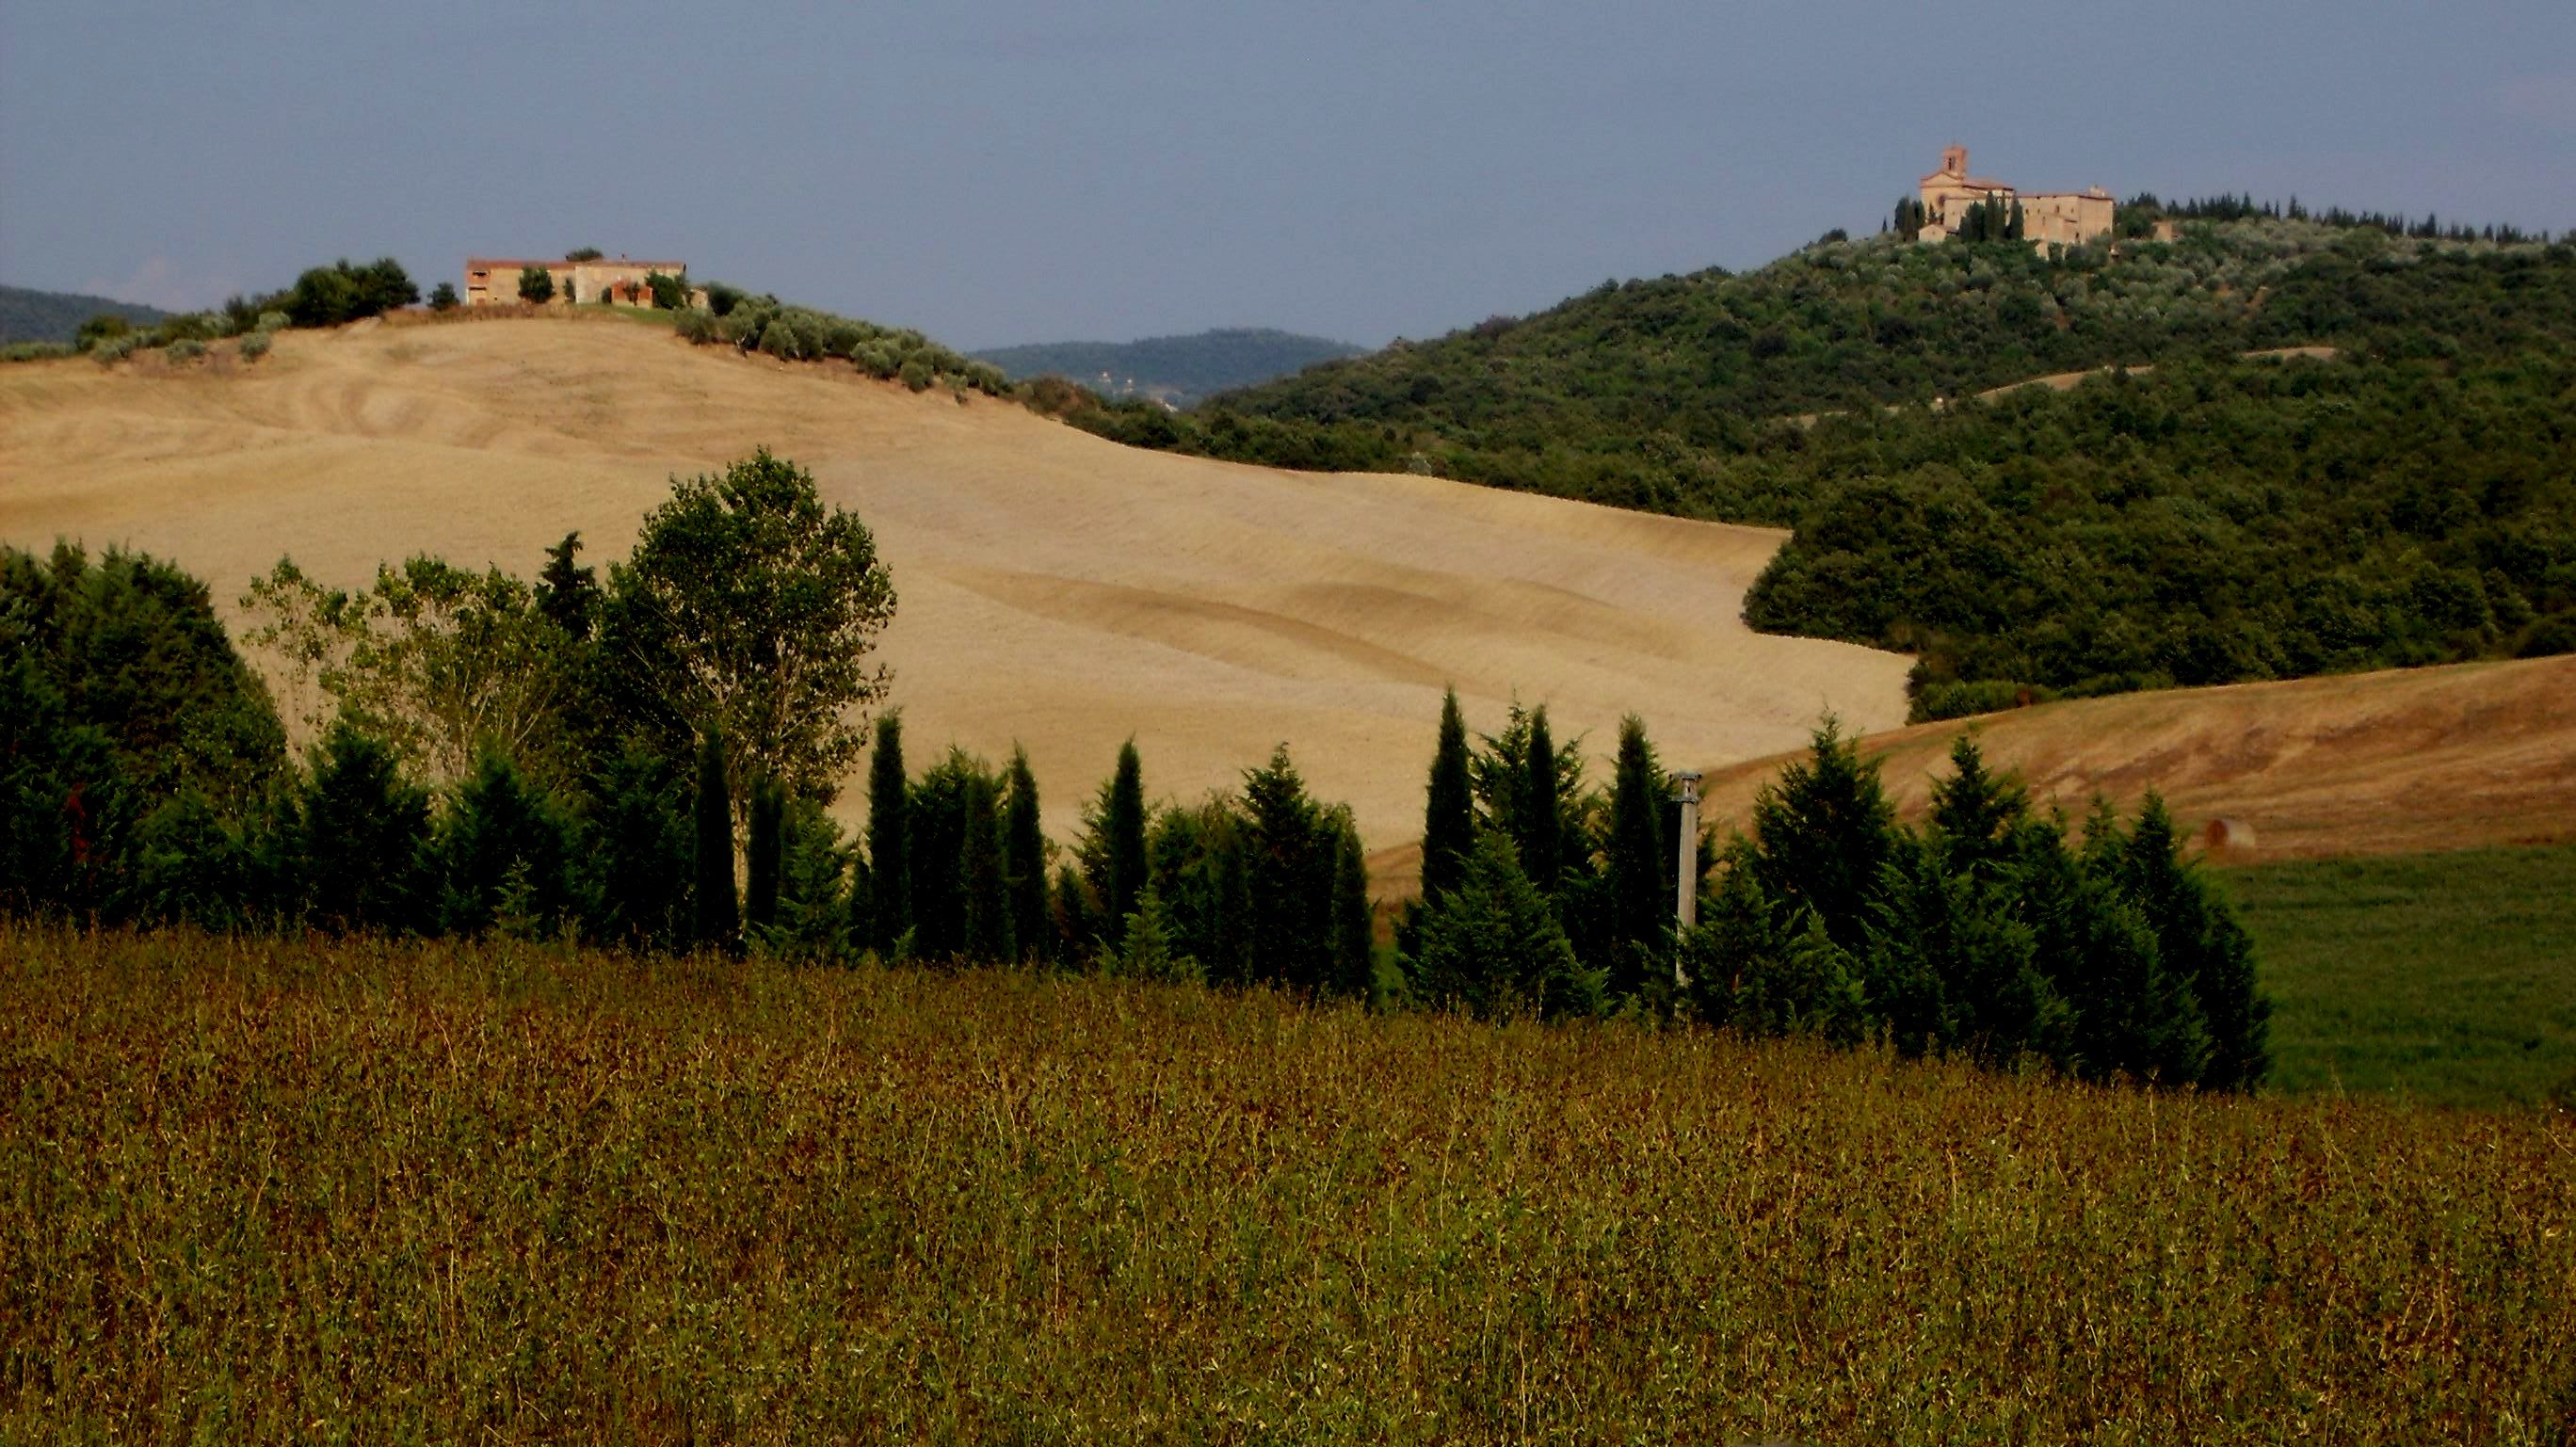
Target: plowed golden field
1055, 589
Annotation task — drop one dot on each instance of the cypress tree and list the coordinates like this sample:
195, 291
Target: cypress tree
1493, 947
505, 853
1825, 832
364, 836
936, 850
812, 916
1151, 952
1976, 814
636, 846
718, 927
2132, 1017
1449, 816
889, 837
1289, 858
768, 841
1354, 931
2202, 946
987, 901
1074, 918
1122, 821
1024, 857
1641, 881
1542, 819
1229, 962
566, 592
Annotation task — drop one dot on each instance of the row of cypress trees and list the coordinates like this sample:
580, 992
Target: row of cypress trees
1994, 931
1261, 886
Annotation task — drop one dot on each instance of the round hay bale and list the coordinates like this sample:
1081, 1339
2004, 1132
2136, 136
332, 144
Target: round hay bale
2234, 835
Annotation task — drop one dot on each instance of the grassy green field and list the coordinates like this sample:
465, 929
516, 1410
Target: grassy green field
303, 1191
2444, 978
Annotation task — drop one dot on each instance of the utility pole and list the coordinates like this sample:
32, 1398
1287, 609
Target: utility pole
1686, 891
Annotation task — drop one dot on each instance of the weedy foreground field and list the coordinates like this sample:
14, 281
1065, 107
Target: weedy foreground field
264, 1191
2444, 978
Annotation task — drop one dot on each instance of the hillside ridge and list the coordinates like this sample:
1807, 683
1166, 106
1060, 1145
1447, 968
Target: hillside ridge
30, 315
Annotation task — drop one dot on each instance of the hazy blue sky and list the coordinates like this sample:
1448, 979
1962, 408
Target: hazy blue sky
1015, 172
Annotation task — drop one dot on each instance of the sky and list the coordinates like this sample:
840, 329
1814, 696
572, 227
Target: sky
996, 173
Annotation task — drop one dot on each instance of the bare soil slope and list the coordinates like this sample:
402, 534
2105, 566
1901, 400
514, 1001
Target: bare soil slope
1056, 589
2374, 763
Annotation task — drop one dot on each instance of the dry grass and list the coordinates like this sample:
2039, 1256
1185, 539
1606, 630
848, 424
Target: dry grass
1056, 589
273, 1191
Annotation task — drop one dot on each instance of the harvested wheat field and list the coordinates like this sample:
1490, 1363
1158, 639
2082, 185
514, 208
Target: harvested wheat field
2467, 755
1056, 589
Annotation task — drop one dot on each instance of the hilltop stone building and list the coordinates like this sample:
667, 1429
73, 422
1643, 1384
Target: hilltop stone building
494, 281
2059, 218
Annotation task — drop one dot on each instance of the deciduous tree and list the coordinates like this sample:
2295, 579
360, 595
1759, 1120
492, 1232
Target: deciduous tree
752, 607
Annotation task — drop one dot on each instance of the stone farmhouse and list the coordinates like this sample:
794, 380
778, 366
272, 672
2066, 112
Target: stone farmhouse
494, 281
2049, 218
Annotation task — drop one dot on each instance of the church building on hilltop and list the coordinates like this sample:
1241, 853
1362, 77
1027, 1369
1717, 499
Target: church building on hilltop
2049, 218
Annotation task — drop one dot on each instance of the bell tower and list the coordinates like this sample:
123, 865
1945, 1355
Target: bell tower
1954, 161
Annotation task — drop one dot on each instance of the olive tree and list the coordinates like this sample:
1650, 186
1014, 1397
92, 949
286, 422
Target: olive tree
751, 607
441, 661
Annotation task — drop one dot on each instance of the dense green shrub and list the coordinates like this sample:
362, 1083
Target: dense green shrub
326, 296
254, 345
186, 349
778, 339
106, 326
361, 838
794, 333
696, 324
131, 646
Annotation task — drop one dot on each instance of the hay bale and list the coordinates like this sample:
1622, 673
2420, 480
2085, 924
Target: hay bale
2233, 835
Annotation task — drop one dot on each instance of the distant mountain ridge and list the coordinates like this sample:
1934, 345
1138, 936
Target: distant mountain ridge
28, 315
1178, 370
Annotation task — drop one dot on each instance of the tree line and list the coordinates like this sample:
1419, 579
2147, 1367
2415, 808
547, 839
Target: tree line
648, 761
2204, 524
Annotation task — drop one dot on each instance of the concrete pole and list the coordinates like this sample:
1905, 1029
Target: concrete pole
1686, 889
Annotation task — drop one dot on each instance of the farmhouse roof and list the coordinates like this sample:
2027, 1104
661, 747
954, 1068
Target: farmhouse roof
478, 262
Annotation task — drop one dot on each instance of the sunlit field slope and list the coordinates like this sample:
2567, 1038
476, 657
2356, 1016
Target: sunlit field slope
294, 1191
1055, 588
2469, 755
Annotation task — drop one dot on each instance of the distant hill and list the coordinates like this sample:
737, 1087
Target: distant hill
1178, 370
2223, 519
52, 316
